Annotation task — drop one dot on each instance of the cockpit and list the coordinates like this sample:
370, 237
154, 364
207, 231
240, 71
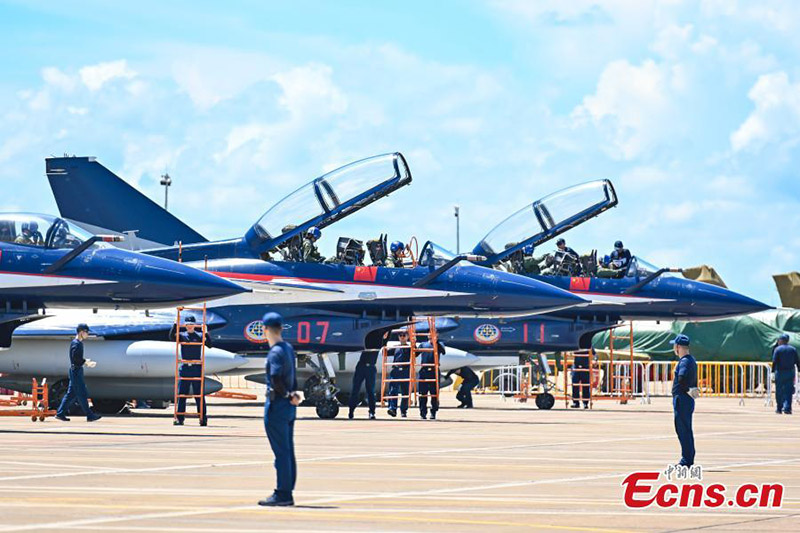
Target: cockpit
333, 196
41, 231
433, 255
546, 218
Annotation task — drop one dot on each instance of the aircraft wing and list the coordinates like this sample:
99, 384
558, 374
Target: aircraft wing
546, 218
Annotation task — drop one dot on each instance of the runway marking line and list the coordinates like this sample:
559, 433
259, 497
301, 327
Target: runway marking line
251, 507
384, 455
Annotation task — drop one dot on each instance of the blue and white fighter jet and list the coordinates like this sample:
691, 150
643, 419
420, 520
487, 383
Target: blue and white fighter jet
46, 262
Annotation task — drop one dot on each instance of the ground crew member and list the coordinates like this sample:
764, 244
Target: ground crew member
427, 371
684, 390
582, 378
469, 380
784, 362
365, 373
189, 369
280, 410
309, 252
396, 260
617, 264
77, 385
401, 370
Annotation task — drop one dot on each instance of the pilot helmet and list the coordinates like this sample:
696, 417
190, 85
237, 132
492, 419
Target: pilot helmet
560, 241
528, 249
396, 247
314, 232
618, 245
26, 226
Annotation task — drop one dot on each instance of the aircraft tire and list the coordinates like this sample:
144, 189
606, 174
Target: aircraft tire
327, 409
109, 407
545, 401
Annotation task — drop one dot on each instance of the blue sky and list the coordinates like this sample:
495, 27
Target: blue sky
691, 108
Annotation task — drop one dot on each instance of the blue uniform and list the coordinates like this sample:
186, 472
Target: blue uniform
77, 386
683, 406
427, 380
400, 372
469, 380
365, 373
784, 362
191, 370
280, 414
581, 379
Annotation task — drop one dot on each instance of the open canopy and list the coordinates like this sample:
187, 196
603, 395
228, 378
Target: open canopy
329, 198
44, 231
544, 219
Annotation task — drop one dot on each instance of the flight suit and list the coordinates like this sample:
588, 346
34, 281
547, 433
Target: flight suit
618, 266
581, 379
365, 373
400, 372
396, 262
309, 252
683, 406
427, 389
191, 370
77, 386
469, 380
784, 362
280, 414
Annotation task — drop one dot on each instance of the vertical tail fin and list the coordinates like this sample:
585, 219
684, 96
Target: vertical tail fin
94, 197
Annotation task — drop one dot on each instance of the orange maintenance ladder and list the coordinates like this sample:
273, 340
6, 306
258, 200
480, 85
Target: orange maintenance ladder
179, 360
39, 398
413, 380
620, 379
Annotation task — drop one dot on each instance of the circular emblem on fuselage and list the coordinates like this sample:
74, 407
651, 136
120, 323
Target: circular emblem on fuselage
487, 334
255, 332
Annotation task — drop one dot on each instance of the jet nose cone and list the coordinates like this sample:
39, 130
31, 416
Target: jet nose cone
529, 294
717, 301
179, 283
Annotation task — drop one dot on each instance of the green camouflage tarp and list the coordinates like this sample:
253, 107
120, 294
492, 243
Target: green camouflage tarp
746, 338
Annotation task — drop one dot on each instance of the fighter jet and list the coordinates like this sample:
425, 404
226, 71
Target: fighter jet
327, 307
47, 263
640, 291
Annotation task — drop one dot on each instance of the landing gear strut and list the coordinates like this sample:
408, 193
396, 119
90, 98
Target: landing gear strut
319, 389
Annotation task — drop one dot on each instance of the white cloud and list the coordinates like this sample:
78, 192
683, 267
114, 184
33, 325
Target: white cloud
72, 110
633, 105
95, 76
310, 91
212, 75
776, 115
57, 78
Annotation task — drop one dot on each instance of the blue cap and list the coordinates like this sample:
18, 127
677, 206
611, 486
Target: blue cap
784, 337
82, 327
272, 320
680, 340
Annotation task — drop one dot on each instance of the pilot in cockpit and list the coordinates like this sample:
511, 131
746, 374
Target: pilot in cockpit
309, 251
30, 234
396, 260
616, 264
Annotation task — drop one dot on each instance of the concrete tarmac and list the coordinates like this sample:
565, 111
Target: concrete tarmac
503, 466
